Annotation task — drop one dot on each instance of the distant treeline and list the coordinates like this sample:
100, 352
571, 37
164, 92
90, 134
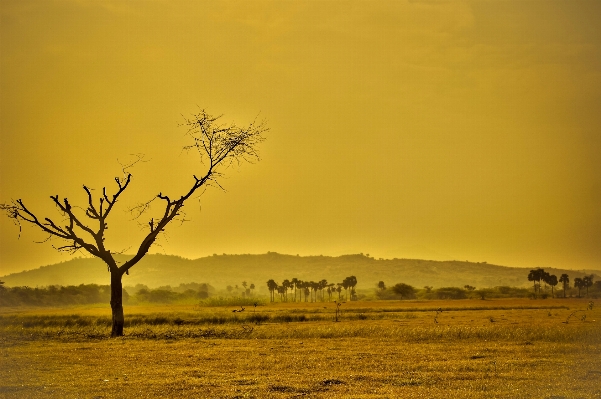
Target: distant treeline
204, 294
84, 294
405, 291
57, 295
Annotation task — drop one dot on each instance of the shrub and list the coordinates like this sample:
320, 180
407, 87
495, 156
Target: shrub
450, 293
405, 291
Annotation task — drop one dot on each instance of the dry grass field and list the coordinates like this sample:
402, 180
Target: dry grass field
472, 349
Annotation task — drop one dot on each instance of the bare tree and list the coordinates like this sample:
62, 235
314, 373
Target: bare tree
219, 146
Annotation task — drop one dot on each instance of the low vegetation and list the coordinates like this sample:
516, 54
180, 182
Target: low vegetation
403, 291
292, 290
56, 295
85, 294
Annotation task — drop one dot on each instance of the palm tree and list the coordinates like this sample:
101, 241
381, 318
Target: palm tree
306, 286
229, 288
252, 287
299, 287
282, 291
272, 286
536, 275
578, 283
353, 284
552, 281
346, 284
339, 290
294, 283
331, 290
545, 278
565, 280
323, 284
307, 291
301, 290
381, 286
313, 286
286, 284
588, 282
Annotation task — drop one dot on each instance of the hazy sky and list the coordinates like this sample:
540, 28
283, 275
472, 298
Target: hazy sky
428, 129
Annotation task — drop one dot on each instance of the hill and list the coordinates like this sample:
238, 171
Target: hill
223, 270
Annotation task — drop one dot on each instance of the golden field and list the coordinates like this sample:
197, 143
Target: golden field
510, 348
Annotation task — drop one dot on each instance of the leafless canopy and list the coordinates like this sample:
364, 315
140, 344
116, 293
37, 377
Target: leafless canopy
219, 145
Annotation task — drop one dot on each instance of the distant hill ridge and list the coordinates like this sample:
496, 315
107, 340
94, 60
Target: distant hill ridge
222, 270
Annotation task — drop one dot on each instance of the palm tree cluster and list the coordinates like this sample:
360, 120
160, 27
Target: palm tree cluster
246, 289
538, 275
311, 291
584, 282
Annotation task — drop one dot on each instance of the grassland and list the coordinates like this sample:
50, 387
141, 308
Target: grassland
474, 349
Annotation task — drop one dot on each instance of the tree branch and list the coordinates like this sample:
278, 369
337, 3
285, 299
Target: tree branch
218, 145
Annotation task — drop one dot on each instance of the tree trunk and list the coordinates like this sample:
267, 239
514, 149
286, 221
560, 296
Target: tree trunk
117, 304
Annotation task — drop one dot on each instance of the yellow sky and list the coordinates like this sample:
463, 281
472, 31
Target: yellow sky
437, 130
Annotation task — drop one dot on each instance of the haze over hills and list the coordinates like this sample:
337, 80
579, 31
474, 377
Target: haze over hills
222, 270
